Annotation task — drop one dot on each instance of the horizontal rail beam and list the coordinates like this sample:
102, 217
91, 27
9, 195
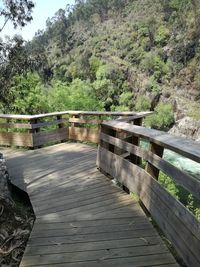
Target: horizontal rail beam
184, 147
184, 179
70, 112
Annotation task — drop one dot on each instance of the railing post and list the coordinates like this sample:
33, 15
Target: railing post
33, 131
138, 121
7, 121
73, 123
135, 141
111, 132
60, 125
99, 124
152, 170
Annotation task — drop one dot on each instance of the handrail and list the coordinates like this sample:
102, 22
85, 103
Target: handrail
120, 138
183, 146
73, 112
37, 130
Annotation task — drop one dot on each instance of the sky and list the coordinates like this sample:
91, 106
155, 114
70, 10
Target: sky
42, 10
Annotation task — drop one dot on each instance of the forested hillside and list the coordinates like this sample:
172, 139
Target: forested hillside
112, 55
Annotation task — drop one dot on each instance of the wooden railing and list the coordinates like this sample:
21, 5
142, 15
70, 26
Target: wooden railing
37, 130
120, 156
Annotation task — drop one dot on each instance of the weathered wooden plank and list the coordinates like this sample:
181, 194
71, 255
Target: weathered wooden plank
92, 206
68, 112
136, 261
43, 138
96, 255
16, 139
178, 220
84, 134
84, 121
89, 223
48, 123
16, 125
43, 241
73, 200
135, 117
134, 242
91, 230
185, 147
119, 262
184, 179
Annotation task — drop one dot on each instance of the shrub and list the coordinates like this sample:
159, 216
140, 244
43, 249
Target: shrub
126, 99
77, 95
153, 86
154, 65
28, 95
143, 103
162, 35
168, 184
163, 118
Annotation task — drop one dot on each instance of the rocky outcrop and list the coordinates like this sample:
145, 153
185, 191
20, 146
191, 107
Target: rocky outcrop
16, 222
4, 181
187, 127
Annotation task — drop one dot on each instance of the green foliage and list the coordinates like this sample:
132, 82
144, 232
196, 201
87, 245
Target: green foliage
169, 184
28, 95
76, 96
125, 102
126, 98
162, 35
95, 63
105, 92
153, 86
197, 79
115, 47
163, 118
143, 103
192, 203
17, 11
154, 65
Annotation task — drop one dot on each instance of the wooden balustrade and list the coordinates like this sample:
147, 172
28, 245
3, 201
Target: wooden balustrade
180, 226
37, 130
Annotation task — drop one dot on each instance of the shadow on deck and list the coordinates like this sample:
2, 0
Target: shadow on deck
82, 218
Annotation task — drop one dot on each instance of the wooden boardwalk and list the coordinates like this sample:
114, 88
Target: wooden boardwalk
82, 218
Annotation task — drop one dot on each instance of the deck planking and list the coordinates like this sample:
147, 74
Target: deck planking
82, 218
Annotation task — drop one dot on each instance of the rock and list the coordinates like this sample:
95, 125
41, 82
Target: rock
16, 221
4, 181
186, 127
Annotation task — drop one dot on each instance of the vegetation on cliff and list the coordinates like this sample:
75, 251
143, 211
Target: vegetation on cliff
116, 55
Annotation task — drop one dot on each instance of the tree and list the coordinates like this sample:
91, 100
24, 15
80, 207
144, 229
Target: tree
16, 11
14, 58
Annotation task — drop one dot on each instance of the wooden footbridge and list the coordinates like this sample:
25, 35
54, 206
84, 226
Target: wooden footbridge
83, 217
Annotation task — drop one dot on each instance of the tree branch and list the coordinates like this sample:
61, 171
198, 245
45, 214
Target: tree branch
4, 24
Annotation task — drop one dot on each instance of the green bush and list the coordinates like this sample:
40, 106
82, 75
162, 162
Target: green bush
153, 86
28, 96
125, 102
162, 35
154, 65
95, 63
168, 184
77, 95
143, 103
187, 199
126, 99
162, 119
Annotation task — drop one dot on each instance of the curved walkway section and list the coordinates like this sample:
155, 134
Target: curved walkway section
82, 218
